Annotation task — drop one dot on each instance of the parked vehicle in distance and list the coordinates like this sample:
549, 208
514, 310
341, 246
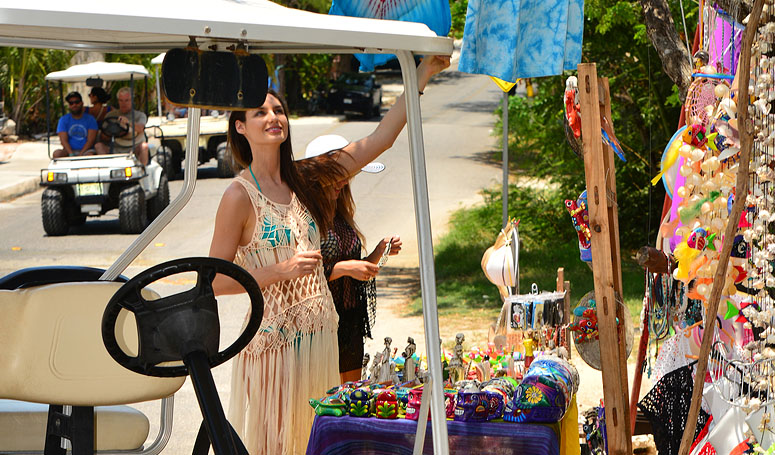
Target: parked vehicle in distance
355, 93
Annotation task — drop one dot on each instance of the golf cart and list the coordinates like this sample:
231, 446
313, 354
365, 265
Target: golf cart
151, 27
81, 186
212, 137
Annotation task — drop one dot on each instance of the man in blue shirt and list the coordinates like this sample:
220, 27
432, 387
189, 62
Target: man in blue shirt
77, 130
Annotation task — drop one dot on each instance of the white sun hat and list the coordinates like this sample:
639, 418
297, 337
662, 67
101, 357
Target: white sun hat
326, 143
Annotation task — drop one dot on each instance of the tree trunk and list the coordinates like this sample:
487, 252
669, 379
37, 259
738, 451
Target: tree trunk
662, 33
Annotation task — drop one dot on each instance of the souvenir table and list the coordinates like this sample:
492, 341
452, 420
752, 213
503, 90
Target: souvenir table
346, 435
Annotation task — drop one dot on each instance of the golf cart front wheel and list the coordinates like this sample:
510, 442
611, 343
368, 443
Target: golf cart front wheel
158, 203
132, 215
53, 212
225, 166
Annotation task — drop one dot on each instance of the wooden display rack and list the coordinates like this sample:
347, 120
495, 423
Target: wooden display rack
600, 174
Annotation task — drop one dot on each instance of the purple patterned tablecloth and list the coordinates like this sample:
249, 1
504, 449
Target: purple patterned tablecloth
371, 436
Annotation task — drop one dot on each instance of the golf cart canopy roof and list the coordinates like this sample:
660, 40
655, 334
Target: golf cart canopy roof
150, 26
103, 70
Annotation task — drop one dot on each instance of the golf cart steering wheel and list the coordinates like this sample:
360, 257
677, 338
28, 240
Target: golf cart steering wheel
171, 328
113, 127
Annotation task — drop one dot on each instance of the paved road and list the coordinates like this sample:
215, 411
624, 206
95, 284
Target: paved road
457, 120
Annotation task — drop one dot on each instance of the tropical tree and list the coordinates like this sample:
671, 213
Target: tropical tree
22, 79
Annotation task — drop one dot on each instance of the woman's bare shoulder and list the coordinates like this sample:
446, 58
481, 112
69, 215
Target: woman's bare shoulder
235, 199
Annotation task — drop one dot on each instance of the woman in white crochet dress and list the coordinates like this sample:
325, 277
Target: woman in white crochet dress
269, 221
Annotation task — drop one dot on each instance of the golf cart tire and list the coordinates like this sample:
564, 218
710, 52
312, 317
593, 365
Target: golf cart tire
132, 215
164, 158
225, 166
54, 213
175, 168
158, 203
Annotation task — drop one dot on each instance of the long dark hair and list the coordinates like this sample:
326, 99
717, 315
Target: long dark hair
311, 180
345, 208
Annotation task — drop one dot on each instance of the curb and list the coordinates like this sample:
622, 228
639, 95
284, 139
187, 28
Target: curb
18, 189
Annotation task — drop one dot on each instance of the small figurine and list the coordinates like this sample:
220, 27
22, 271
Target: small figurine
528, 344
375, 367
409, 366
384, 368
359, 403
365, 367
455, 367
387, 405
572, 108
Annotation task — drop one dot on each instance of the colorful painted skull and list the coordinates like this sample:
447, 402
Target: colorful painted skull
403, 398
413, 403
471, 406
387, 405
360, 402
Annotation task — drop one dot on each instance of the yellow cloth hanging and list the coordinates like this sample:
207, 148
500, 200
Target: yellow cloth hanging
569, 430
503, 85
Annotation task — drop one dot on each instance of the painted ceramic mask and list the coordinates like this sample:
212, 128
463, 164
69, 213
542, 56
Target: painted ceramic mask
360, 401
387, 405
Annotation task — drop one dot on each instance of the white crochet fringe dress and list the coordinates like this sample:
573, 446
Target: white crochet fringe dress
294, 356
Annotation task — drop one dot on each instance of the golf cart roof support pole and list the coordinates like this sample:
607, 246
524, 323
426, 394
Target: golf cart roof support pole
425, 246
132, 107
164, 218
505, 164
147, 104
158, 91
48, 123
61, 98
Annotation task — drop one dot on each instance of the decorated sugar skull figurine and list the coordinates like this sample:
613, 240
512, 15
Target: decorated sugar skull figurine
471, 405
413, 403
387, 405
360, 401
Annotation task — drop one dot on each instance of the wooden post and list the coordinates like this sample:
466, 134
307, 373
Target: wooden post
741, 190
606, 261
563, 285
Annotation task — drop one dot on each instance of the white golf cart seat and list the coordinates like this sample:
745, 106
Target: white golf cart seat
52, 353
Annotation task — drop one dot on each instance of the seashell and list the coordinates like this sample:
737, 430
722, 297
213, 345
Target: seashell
721, 91
729, 107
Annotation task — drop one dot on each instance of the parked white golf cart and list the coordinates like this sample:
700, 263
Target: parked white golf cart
212, 137
83, 186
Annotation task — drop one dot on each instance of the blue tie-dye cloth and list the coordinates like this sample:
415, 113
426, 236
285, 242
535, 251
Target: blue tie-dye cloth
511, 39
433, 13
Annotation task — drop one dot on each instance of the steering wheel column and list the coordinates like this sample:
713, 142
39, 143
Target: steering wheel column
185, 327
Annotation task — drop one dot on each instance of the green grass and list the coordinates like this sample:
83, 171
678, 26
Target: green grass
462, 287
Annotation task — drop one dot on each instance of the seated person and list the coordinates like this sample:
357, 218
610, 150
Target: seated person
123, 143
99, 107
77, 130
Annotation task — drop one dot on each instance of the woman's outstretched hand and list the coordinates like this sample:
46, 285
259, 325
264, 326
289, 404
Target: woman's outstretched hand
433, 65
395, 248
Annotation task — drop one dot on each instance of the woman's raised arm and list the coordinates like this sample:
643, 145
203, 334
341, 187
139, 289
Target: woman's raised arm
364, 151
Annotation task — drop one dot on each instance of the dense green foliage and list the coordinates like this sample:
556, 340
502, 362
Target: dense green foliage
645, 115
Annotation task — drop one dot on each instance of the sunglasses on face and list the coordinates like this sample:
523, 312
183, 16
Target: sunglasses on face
71, 102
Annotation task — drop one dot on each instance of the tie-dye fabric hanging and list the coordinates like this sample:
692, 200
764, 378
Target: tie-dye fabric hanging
433, 13
512, 39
